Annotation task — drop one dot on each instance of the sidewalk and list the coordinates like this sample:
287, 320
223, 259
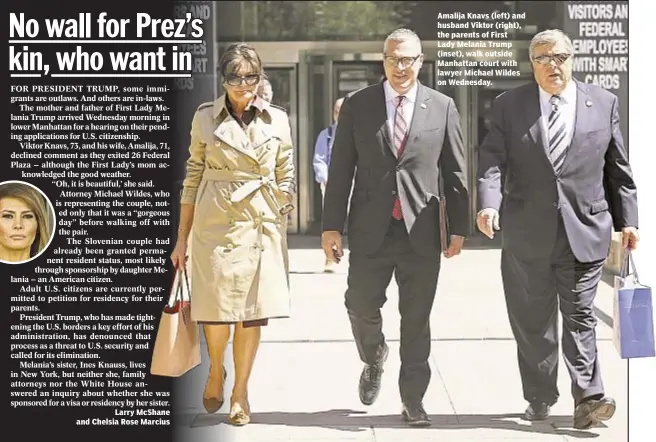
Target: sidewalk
305, 380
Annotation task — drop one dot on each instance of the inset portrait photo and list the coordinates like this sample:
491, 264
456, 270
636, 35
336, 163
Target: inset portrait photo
27, 222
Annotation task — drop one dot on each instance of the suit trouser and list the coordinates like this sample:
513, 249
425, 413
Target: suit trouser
534, 289
416, 276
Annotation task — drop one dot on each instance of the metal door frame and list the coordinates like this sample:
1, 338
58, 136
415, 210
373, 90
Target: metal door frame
361, 52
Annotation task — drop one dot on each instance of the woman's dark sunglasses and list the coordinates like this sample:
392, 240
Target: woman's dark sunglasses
236, 80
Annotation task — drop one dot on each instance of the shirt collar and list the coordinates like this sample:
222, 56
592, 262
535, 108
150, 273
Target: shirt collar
568, 96
391, 94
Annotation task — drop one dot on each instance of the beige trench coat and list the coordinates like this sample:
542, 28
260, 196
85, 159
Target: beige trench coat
239, 180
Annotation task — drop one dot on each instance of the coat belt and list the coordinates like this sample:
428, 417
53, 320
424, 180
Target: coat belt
252, 183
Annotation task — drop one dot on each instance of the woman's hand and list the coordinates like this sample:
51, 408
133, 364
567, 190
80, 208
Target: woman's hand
288, 205
179, 254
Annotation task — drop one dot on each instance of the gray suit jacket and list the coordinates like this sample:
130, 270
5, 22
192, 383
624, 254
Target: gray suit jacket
363, 147
594, 190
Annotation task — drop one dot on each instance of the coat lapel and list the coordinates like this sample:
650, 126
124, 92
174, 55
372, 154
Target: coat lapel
260, 135
230, 132
418, 123
419, 116
379, 114
533, 117
582, 121
536, 124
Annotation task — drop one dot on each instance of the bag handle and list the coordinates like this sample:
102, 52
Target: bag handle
181, 307
627, 264
184, 273
175, 274
178, 287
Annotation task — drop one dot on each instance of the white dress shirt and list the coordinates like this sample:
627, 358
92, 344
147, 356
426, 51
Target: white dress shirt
391, 102
567, 106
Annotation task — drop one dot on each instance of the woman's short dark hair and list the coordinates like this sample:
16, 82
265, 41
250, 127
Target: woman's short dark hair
235, 55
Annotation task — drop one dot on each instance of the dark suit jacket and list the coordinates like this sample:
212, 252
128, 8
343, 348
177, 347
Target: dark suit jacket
363, 146
594, 190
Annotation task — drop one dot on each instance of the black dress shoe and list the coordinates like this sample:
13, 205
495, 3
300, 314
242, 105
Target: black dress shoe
590, 412
370, 379
415, 415
537, 411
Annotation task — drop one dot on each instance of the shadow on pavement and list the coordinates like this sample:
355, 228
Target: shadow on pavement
476, 242
356, 421
608, 277
304, 242
604, 317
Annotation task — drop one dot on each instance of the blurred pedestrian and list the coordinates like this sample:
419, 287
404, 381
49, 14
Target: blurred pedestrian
321, 162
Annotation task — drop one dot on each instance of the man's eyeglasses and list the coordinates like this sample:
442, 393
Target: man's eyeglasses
546, 59
236, 80
406, 62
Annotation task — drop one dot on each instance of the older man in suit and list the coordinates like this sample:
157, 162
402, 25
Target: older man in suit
555, 165
399, 138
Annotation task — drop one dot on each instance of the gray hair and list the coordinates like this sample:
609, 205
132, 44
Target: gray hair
403, 34
264, 83
550, 36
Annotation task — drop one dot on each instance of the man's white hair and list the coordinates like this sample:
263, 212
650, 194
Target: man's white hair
403, 34
550, 36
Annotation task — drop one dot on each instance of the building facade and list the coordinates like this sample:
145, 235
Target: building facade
317, 51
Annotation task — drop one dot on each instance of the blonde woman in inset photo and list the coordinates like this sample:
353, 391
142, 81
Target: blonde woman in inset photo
25, 222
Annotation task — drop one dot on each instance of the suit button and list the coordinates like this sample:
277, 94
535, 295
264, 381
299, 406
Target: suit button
555, 204
393, 192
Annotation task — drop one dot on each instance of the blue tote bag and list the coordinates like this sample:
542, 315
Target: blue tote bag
633, 317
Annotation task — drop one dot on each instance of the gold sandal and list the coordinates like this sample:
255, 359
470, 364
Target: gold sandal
239, 415
214, 404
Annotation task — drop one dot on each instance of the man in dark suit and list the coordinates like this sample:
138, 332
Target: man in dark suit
555, 165
399, 137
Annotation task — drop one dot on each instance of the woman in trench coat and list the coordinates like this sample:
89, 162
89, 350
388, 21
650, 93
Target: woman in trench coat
236, 195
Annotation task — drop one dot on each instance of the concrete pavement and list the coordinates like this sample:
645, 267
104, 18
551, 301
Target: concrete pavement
304, 383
